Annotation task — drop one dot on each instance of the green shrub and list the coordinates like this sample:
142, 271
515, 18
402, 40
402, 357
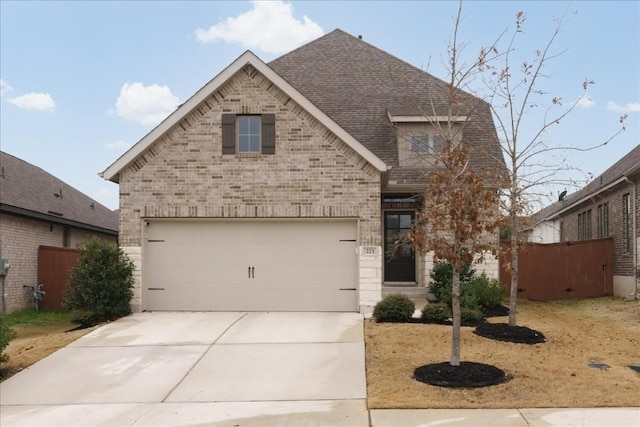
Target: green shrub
394, 308
435, 313
442, 277
6, 335
100, 283
488, 292
470, 314
468, 298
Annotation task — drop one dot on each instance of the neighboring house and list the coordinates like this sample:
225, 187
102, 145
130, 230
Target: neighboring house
606, 207
281, 186
38, 209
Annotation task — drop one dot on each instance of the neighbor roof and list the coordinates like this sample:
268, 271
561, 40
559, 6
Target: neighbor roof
360, 86
627, 166
28, 190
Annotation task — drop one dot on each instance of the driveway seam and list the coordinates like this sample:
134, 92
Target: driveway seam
201, 356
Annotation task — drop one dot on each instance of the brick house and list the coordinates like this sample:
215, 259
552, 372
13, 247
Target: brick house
281, 186
606, 207
37, 209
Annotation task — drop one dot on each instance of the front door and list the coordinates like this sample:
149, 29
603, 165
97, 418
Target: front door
400, 261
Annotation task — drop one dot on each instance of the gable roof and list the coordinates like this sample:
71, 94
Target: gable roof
627, 166
28, 190
111, 173
360, 87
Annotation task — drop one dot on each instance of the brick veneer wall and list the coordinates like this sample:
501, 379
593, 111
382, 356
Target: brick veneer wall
312, 174
21, 238
622, 259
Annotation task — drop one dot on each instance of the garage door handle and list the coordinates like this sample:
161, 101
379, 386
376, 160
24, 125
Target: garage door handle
348, 289
250, 270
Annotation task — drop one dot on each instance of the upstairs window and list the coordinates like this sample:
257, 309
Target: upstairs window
420, 143
248, 134
426, 144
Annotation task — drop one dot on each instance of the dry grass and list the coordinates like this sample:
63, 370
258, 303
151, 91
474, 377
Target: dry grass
552, 374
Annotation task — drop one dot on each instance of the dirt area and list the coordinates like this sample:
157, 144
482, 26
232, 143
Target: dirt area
550, 374
35, 342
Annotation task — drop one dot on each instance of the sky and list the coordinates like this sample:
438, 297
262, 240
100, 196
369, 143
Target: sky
81, 82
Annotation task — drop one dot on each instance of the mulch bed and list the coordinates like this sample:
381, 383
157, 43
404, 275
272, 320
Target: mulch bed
515, 334
495, 311
468, 374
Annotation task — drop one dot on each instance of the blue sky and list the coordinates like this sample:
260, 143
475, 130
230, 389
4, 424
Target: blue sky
82, 81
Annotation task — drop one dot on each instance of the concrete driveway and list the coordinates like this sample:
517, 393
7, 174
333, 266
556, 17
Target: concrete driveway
187, 369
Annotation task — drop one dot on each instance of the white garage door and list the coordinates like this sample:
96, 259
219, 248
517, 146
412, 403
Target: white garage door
250, 265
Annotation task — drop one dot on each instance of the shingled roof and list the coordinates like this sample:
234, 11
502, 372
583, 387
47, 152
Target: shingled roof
359, 85
28, 190
628, 165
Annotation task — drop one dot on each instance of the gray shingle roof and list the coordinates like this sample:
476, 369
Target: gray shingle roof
29, 190
628, 165
356, 84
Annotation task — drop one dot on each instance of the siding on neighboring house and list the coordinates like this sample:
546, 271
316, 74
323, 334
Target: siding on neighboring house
38, 209
21, 238
598, 211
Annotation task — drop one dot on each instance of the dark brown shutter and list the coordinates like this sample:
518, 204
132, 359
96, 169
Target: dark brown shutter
268, 133
228, 134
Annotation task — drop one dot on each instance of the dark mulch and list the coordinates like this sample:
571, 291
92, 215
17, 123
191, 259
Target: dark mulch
468, 374
504, 332
495, 311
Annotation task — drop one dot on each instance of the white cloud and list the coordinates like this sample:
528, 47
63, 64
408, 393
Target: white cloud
118, 145
585, 102
269, 26
145, 104
4, 88
631, 107
34, 101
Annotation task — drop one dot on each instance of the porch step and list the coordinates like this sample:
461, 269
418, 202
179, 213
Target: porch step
410, 291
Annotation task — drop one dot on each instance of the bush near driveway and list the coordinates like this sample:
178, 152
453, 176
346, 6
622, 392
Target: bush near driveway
100, 284
394, 308
6, 335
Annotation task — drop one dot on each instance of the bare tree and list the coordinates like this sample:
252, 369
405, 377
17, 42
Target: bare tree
460, 217
515, 94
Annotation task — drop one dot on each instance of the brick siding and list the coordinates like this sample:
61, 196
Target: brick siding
312, 174
622, 258
21, 238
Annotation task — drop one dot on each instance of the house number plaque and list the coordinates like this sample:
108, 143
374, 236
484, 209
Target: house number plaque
369, 250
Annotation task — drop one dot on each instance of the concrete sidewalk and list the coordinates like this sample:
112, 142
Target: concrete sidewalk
568, 417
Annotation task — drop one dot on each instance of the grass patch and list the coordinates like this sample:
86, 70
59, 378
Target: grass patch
31, 316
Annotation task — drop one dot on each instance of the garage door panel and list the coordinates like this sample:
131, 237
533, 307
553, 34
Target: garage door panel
206, 265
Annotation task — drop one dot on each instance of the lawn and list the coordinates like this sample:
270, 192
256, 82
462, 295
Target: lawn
39, 333
551, 374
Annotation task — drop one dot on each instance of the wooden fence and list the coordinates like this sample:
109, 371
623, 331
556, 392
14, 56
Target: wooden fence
53, 269
561, 270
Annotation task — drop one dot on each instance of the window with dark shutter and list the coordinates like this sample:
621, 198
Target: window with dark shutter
268, 134
228, 134
248, 134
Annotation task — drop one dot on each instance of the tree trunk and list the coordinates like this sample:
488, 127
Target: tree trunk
455, 305
513, 295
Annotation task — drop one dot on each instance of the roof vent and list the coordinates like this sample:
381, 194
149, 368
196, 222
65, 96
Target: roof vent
360, 36
58, 194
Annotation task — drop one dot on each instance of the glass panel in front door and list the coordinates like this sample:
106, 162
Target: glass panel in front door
400, 263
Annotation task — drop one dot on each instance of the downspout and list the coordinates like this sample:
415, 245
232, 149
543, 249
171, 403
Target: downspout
634, 294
